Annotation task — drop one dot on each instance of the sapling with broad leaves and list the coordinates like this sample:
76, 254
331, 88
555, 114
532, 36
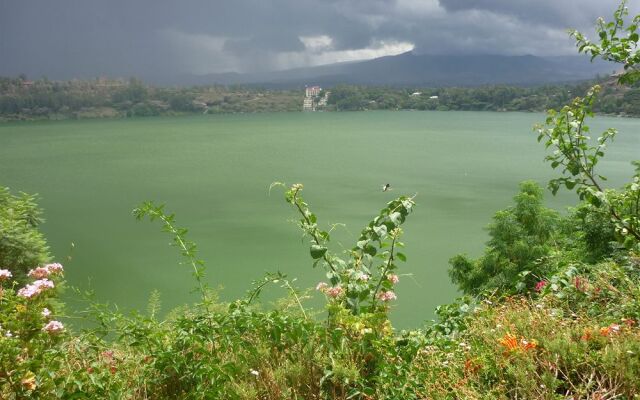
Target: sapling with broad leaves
567, 133
362, 282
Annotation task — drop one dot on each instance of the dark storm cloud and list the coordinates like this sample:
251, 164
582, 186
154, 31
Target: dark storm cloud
555, 13
85, 38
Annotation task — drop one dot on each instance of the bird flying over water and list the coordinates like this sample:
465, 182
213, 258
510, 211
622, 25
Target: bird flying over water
386, 187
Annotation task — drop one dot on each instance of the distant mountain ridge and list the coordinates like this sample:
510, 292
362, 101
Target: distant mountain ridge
410, 69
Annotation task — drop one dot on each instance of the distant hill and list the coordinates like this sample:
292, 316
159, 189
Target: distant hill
409, 69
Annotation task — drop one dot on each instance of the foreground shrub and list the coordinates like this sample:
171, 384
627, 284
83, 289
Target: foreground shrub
22, 246
519, 237
525, 349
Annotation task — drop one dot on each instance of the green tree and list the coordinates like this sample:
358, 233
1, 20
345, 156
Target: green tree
22, 246
519, 236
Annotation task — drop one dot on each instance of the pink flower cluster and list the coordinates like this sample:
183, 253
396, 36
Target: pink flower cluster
42, 283
35, 288
5, 274
540, 285
53, 327
386, 296
54, 268
44, 272
393, 278
334, 292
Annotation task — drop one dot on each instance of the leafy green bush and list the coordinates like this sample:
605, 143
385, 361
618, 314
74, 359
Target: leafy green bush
22, 246
519, 237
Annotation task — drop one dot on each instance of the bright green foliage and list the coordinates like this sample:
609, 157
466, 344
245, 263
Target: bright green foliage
363, 282
188, 249
590, 233
31, 341
22, 246
519, 237
618, 42
566, 132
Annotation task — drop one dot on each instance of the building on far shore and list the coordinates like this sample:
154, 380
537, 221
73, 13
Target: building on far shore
307, 104
312, 91
312, 100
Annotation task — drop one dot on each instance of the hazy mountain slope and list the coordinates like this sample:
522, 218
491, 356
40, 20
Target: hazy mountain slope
409, 69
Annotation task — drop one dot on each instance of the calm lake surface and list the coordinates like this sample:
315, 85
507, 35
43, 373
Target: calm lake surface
214, 173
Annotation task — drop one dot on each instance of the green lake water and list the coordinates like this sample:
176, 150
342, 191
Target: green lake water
214, 173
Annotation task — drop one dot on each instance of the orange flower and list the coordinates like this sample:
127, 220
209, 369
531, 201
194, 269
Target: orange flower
470, 367
512, 343
587, 335
509, 341
528, 345
611, 329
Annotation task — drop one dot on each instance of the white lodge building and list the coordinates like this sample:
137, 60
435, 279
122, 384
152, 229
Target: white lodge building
312, 91
311, 101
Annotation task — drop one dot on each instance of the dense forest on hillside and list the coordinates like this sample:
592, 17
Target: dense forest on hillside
22, 99
44, 99
614, 99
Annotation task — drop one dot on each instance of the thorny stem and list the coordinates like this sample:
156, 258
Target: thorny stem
255, 292
295, 296
187, 252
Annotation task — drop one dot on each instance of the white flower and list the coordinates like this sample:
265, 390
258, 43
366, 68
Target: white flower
254, 372
54, 268
362, 277
5, 274
53, 327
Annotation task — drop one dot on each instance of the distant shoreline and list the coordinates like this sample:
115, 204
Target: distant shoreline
43, 100
4, 121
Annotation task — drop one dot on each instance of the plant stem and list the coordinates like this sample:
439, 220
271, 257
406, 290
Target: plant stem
384, 272
312, 233
187, 253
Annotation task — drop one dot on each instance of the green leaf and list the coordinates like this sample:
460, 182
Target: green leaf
396, 218
370, 250
381, 231
401, 256
317, 251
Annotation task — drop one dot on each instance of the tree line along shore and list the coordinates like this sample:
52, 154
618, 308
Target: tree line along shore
44, 99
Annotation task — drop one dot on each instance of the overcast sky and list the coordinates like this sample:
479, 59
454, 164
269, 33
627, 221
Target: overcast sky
87, 38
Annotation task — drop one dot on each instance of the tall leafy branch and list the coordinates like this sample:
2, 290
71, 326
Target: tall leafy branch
567, 133
618, 42
188, 249
365, 278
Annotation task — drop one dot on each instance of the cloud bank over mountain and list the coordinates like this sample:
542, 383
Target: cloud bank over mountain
69, 38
